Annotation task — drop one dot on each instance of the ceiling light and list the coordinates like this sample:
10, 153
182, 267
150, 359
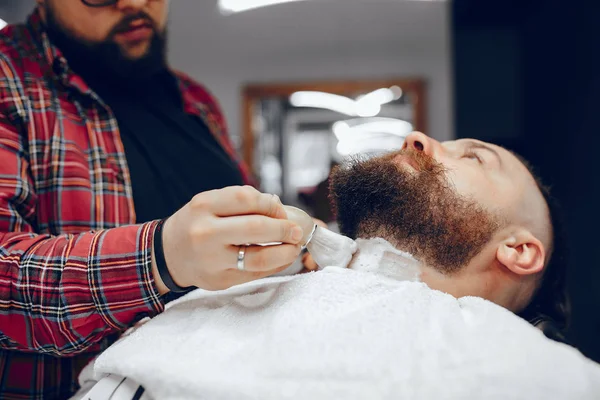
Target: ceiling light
356, 127
234, 6
334, 102
368, 105
370, 135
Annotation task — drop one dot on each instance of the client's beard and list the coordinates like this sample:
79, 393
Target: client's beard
418, 212
106, 58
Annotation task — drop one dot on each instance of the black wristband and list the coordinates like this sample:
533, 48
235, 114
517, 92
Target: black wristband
161, 263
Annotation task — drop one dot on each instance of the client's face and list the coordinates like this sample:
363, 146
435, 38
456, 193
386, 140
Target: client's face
441, 202
406, 198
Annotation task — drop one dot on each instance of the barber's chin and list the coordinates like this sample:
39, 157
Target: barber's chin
137, 51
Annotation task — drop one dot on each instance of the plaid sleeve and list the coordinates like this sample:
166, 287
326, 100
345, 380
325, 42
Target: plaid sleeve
62, 294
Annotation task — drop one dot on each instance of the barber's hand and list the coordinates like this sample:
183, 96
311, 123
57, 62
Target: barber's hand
307, 259
201, 241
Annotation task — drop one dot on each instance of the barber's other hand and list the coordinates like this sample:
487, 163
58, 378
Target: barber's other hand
201, 241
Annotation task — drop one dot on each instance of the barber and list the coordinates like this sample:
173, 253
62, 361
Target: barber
118, 185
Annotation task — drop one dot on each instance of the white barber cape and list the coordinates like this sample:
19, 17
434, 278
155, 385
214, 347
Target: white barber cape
361, 333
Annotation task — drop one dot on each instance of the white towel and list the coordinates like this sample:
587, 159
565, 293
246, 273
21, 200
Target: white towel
345, 334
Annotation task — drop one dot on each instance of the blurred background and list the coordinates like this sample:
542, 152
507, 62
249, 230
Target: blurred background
295, 78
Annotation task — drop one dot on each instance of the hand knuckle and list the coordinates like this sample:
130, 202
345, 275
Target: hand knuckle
200, 202
250, 191
243, 195
273, 204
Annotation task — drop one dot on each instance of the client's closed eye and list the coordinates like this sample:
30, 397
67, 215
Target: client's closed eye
472, 155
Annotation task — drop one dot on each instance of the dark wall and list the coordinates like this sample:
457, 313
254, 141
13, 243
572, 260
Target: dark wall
490, 69
542, 59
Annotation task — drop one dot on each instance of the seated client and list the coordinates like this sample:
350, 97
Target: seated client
474, 213
456, 241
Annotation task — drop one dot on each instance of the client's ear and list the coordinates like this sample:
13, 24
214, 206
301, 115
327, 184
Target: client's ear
522, 253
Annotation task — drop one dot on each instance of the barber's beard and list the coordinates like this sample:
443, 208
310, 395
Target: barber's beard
106, 59
417, 211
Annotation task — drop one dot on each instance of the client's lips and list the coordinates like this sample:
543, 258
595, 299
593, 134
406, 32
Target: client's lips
136, 31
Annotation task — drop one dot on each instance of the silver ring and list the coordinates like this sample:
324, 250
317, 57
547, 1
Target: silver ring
241, 256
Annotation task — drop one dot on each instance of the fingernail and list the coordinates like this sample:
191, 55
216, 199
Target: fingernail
297, 234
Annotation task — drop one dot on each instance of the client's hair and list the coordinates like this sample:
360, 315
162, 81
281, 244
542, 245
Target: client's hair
550, 307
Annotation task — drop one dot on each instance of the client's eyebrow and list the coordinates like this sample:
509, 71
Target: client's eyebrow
477, 145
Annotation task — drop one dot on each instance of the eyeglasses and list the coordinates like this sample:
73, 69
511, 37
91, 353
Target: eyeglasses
99, 3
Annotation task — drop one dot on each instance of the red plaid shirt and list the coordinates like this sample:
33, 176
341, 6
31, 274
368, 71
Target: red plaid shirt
74, 269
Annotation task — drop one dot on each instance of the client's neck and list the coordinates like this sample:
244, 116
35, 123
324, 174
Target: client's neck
478, 279
482, 277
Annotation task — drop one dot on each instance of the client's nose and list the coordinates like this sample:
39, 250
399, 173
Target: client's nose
419, 142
